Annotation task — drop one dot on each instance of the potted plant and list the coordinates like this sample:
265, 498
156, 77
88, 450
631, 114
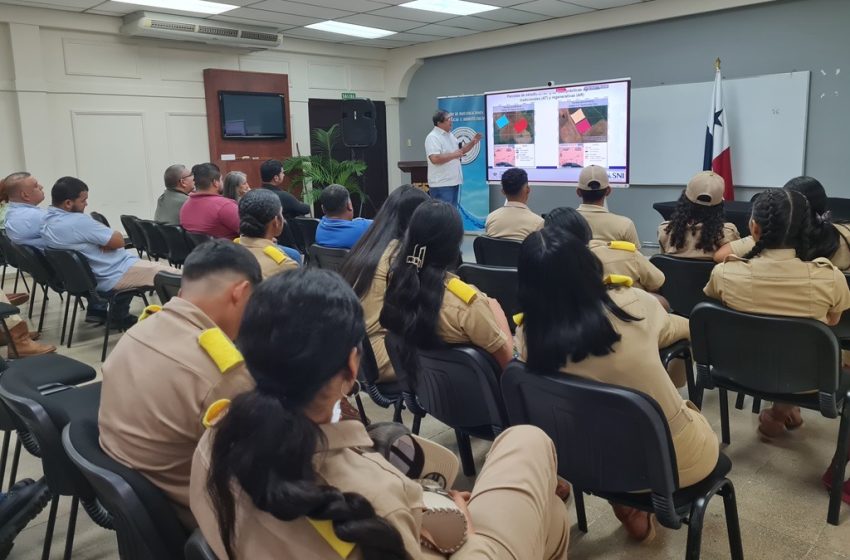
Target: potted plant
314, 172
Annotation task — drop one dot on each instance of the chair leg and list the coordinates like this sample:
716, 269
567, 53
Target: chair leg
581, 516
733, 527
417, 423
10, 341
109, 307
465, 448
73, 320
689, 371
65, 320
24, 280
43, 307
739, 402
839, 466
16, 458
33, 293
51, 522
724, 415
399, 406
756, 405
695, 528
3, 278
17, 275
72, 527
4, 455
145, 299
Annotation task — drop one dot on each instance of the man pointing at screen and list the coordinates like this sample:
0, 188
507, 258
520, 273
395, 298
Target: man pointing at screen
444, 152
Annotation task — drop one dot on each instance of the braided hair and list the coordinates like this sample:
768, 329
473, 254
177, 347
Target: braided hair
823, 238
256, 210
687, 219
296, 335
783, 216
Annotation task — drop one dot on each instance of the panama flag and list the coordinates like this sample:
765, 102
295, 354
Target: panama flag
717, 154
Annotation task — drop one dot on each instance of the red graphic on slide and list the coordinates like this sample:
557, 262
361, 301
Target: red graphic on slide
521, 125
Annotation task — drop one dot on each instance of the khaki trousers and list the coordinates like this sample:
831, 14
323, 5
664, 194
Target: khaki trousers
515, 512
141, 274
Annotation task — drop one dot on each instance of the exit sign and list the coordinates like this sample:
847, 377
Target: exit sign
349, 95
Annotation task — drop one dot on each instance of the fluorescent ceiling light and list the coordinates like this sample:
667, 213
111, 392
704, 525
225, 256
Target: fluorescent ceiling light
200, 6
350, 29
456, 7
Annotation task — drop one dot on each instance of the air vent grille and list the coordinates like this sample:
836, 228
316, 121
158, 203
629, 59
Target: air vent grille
172, 26
260, 36
218, 31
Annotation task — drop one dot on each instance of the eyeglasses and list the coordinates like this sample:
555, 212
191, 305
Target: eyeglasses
186, 176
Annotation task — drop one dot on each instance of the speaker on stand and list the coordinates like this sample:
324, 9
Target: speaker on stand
358, 128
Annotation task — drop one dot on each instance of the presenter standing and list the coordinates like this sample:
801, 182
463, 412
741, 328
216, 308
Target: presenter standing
444, 152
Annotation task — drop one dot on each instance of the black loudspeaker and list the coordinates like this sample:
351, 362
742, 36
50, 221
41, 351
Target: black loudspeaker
358, 123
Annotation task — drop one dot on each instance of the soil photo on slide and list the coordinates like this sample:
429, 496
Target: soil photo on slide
513, 127
582, 124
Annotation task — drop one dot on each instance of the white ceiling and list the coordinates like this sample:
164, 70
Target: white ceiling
412, 26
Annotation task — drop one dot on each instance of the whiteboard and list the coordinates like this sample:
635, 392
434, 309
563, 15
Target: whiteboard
766, 116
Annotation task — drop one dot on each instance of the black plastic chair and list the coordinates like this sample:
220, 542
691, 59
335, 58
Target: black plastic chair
198, 549
306, 227
498, 282
35, 264
175, 240
194, 239
784, 359
614, 443
167, 285
145, 522
100, 218
79, 281
41, 393
457, 385
11, 258
134, 232
327, 257
156, 246
386, 395
685, 279
492, 251
9, 423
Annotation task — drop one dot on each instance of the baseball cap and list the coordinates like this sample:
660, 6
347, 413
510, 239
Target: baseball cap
593, 178
705, 188
415, 456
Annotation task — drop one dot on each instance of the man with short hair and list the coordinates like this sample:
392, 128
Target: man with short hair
514, 220
443, 152
593, 189
338, 227
271, 172
179, 182
207, 211
173, 366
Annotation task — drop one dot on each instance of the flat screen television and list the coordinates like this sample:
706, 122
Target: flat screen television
250, 115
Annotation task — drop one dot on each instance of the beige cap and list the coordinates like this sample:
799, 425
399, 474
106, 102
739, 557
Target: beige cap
420, 458
593, 174
705, 188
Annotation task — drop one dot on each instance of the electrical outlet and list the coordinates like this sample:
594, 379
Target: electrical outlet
409, 143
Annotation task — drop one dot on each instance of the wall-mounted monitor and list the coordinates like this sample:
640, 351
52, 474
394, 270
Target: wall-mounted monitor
552, 132
250, 115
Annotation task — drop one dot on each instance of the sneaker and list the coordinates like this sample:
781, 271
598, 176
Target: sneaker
21, 505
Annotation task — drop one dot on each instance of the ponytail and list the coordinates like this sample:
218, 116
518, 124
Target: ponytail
783, 216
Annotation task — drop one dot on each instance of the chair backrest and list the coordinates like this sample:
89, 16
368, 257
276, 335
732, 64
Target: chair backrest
175, 240
8, 251
167, 285
497, 282
197, 548
145, 522
496, 252
327, 257
369, 372
156, 245
684, 281
194, 239
839, 207
766, 354
608, 438
36, 264
134, 232
100, 218
74, 270
306, 227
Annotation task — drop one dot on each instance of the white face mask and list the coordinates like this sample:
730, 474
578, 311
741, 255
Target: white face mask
337, 413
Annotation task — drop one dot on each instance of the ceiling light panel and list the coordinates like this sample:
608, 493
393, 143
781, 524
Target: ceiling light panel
199, 6
343, 28
456, 7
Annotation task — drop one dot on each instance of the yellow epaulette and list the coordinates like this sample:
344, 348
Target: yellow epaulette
518, 318
215, 412
618, 280
238, 240
461, 289
221, 349
275, 254
150, 310
623, 246
325, 529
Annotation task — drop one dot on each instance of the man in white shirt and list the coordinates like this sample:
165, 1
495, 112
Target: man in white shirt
444, 152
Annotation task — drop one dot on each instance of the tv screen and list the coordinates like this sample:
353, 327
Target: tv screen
252, 115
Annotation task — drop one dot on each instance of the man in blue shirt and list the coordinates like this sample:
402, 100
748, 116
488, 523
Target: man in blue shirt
339, 228
66, 227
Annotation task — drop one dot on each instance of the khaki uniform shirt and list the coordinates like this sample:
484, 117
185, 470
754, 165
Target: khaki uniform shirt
778, 283
607, 226
633, 264
268, 264
512, 221
840, 259
689, 250
157, 384
469, 323
373, 303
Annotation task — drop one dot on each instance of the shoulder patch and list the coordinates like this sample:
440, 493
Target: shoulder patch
325, 529
623, 246
518, 318
150, 310
275, 254
215, 412
461, 289
238, 240
221, 349
618, 280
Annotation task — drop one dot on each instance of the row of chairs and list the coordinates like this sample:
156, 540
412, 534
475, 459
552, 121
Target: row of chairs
161, 241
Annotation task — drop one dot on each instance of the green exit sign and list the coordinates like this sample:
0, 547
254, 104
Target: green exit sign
349, 95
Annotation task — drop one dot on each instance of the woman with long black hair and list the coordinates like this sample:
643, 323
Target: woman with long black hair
260, 224
276, 477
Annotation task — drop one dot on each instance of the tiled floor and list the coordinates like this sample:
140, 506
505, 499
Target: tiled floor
781, 501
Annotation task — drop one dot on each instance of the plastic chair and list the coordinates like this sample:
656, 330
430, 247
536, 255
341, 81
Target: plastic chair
198, 549
306, 227
156, 245
134, 232
194, 239
34, 262
145, 522
492, 251
79, 281
497, 282
167, 285
614, 443
11, 258
685, 279
175, 241
327, 257
100, 218
385, 395
784, 359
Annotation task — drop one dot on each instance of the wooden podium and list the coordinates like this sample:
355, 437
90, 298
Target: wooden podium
418, 171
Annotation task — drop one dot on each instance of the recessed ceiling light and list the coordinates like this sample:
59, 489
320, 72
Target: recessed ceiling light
350, 29
456, 7
201, 6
